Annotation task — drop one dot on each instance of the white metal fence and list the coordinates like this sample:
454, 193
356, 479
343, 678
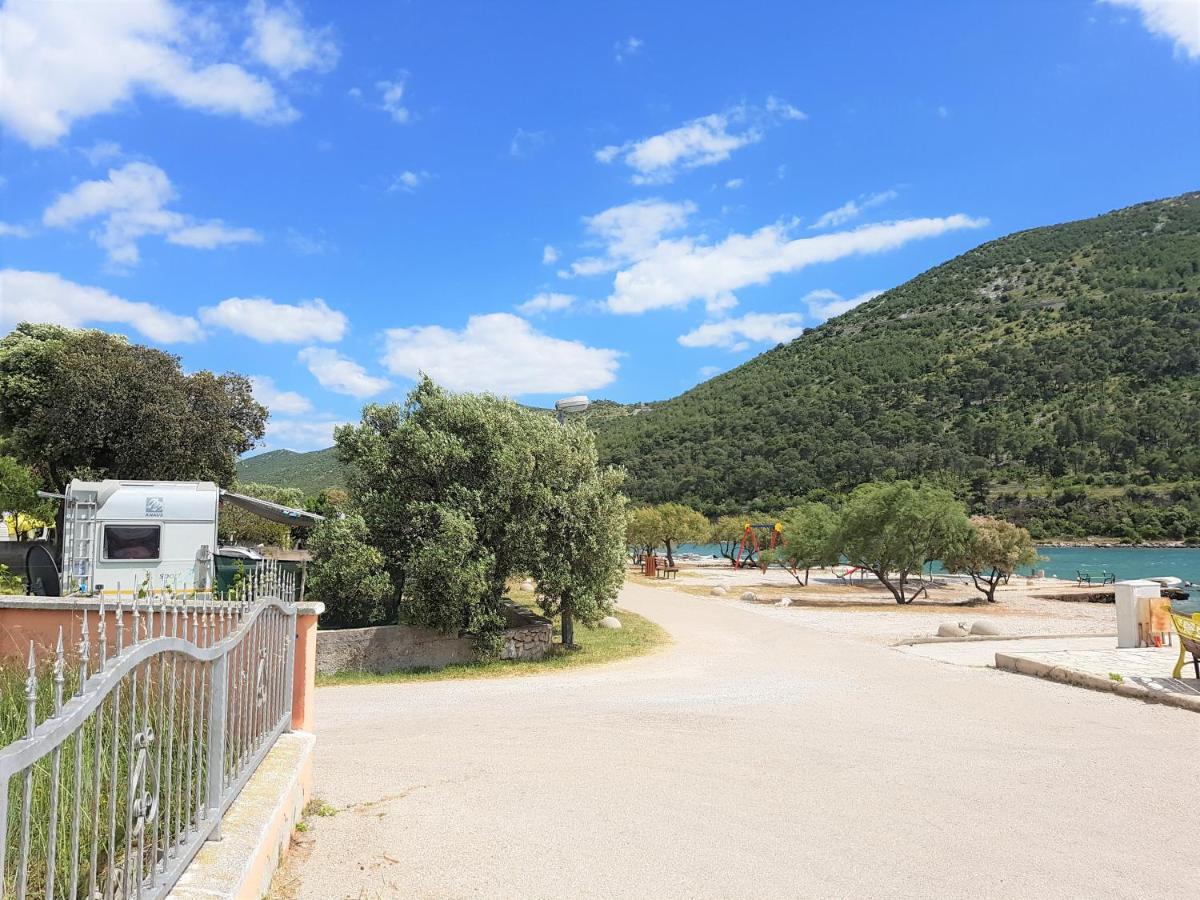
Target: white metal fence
137, 742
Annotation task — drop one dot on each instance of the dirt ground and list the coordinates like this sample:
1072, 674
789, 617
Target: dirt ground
864, 608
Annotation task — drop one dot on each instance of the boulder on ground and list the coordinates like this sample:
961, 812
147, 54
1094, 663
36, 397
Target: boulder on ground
985, 626
749, 595
952, 629
719, 591
610, 622
527, 585
784, 601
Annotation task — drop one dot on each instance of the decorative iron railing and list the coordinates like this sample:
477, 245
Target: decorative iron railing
137, 742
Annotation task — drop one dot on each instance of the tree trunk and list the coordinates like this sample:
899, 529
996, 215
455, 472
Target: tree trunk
568, 627
807, 570
670, 558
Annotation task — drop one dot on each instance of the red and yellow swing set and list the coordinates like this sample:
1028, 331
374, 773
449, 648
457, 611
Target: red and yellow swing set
749, 546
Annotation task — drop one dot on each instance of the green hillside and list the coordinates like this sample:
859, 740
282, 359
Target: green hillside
1066, 355
310, 472
1052, 376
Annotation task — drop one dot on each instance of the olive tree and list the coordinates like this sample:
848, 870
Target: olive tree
893, 529
808, 532
642, 529
347, 575
727, 533
991, 551
459, 493
679, 524
581, 565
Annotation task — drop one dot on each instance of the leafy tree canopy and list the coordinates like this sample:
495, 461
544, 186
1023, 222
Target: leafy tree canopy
80, 402
347, 575
991, 552
893, 529
460, 492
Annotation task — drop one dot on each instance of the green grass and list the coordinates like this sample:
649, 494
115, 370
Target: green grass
637, 635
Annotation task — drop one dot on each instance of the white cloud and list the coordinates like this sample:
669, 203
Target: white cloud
391, 100
7, 229
301, 434
277, 323
852, 209
630, 232
269, 395
734, 183
499, 352
631, 46
679, 271
102, 152
709, 371
408, 181
701, 142
337, 373
131, 204
739, 333
549, 255
280, 40
525, 143
47, 297
542, 303
825, 304
68, 61
1176, 20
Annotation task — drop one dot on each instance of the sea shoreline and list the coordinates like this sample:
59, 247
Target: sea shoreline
1114, 544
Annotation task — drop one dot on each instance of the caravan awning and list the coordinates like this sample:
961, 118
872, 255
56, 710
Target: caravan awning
272, 512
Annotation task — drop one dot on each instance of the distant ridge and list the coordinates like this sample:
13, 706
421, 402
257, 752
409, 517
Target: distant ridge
310, 472
1062, 360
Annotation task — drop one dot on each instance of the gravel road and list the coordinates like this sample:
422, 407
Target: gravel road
754, 757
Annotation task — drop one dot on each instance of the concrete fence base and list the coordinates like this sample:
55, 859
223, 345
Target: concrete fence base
389, 648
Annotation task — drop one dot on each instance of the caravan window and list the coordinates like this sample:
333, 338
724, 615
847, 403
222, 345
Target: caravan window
132, 541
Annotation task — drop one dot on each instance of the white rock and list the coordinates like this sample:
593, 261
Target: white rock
610, 622
951, 629
719, 591
749, 595
985, 626
527, 585
784, 601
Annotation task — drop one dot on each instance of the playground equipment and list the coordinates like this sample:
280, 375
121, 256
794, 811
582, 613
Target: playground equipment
749, 547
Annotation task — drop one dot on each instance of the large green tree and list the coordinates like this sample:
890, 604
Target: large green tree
460, 492
680, 524
808, 532
85, 402
892, 529
347, 575
580, 568
990, 553
642, 529
18, 496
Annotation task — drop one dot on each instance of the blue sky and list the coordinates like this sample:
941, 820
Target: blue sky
539, 199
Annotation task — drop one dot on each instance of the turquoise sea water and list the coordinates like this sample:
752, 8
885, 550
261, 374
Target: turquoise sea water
1063, 562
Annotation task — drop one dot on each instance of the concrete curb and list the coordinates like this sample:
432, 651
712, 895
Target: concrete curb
257, 829
1024, 666
976, 638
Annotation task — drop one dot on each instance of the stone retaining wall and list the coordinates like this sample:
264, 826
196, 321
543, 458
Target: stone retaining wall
389, 648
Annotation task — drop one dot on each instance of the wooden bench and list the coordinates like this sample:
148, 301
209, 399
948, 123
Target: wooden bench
667, 571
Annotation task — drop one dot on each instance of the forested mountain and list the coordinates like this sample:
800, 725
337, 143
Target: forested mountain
1051, 376
1070, 352
309, 472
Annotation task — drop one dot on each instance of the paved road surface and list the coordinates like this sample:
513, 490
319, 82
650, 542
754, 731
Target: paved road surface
752, 758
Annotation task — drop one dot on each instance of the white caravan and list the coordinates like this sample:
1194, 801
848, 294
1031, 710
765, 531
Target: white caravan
123, 535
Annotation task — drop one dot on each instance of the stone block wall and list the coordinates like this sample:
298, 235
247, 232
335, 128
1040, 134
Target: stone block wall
388, 648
